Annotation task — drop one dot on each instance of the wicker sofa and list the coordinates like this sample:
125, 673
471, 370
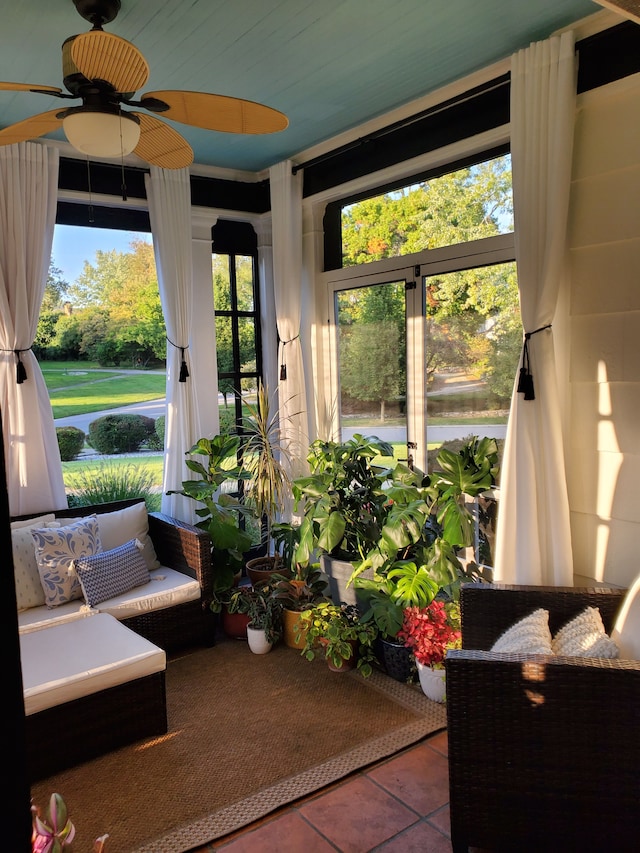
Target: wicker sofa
544, 752
94, 675
186, 550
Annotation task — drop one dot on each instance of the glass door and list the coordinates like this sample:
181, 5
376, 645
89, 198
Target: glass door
379, 347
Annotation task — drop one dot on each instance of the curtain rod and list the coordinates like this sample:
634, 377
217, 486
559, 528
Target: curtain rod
494, 84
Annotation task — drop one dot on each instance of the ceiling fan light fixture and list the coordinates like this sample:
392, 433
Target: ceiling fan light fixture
100, 132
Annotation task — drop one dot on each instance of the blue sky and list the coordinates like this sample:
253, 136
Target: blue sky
73, 245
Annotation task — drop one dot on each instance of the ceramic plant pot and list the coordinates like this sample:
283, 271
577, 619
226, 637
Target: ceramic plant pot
290, 618
396, 659
432, 682
258, 642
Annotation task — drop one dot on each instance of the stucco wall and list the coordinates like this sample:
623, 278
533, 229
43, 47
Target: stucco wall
603, 447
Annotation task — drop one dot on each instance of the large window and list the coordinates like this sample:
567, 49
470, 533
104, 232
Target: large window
426, 348
237, 318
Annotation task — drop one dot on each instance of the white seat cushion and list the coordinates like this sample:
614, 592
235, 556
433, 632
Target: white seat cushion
68, 661
37, 618
626, 629
166, 588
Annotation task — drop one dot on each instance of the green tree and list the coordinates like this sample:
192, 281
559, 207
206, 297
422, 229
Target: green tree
469, 204
372, 344
52, 307
118, 301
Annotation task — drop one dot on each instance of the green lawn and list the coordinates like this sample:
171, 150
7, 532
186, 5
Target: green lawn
120, 389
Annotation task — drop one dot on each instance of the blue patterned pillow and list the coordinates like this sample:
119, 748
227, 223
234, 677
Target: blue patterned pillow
56, 549
111, 573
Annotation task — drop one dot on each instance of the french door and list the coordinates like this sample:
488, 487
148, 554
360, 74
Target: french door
378, 342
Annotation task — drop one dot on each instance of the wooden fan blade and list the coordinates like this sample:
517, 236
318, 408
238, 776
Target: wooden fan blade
102, 56
29, 87
31, 128
161, 145
219, 112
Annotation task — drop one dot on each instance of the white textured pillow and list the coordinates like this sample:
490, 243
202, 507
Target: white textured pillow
529, 635
121, 526
110, 573
33, 522
584, 636
56, 549
29, 592
626, 630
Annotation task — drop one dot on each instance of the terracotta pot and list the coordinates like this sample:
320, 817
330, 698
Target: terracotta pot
234, 625
345, 665
262, 568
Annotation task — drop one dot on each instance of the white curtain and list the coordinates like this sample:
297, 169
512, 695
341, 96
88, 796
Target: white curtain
286, 214
169, 196
28, 199
533, 539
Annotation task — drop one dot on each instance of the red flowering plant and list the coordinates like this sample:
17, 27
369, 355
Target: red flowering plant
431, 631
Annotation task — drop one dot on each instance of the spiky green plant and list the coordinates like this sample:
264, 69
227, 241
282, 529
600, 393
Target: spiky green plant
110, 481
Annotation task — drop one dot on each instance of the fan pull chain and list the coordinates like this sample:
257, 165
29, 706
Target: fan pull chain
124, 185
91, 219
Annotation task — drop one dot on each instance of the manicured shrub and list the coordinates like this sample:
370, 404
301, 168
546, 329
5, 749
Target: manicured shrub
70, 441
156, 439
119, 433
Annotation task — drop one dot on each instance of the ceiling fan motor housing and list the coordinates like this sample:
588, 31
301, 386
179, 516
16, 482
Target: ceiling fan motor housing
98, 12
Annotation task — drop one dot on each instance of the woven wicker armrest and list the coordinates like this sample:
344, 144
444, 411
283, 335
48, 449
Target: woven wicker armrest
183, 547
489, 609
543, 752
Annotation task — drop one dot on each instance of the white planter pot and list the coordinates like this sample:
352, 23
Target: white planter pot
258, 642
432, 682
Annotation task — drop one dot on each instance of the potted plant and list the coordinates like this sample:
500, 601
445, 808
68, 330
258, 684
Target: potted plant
267, 484
337, 629
296, 595
264, 611
222, 515
344, 506
430, 632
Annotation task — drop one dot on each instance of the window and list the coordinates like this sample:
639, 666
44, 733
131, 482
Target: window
237, 317
453, 300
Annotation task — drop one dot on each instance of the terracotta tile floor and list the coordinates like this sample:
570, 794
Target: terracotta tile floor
399, 805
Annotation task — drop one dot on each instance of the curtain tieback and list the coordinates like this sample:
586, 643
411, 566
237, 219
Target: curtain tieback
525, 382
184, 371
283, 366
21, 371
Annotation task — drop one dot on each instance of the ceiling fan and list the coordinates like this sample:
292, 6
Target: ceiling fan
105, 71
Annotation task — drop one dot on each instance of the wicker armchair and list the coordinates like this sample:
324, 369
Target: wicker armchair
544, 752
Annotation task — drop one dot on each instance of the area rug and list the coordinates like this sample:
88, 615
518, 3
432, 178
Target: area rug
247, 734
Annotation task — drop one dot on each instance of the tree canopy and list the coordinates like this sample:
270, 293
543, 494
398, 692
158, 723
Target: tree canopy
113, 313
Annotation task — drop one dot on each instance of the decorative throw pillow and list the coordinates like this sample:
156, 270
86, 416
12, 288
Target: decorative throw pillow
584, 636
111, 573
122, 525
29, 592
626, 630
529, 635
56, 549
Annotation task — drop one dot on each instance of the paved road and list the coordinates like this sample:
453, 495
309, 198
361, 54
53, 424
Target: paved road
155, 408
436, 433
152, 409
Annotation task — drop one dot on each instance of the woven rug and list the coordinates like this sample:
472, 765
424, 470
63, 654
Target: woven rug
247, 734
